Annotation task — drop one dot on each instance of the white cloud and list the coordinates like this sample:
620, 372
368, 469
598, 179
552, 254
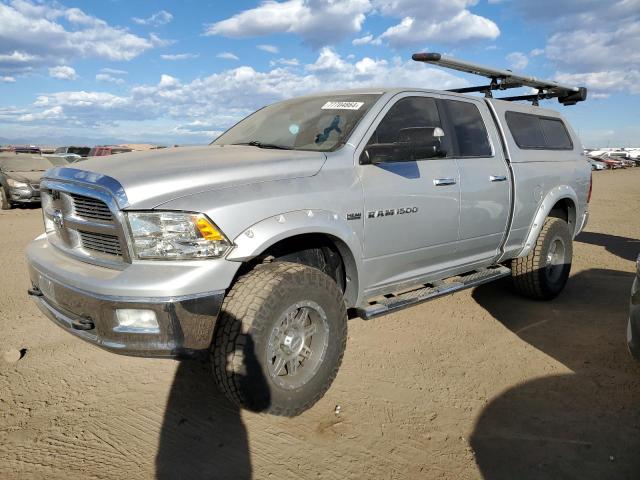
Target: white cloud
518, 60
33, 35
606, 81
106, 77
157, 19
327, 22
227, 56
445, 22
362, 40
316, 21
48, 114
167, 81
156, 41
63, 73
211, 104
287, 62
604, 47
268, 48
536, 52
180, 56
593, 43
81, 99
7, 79
114, 71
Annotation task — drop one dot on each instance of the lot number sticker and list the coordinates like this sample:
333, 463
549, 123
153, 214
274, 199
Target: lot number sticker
342, 105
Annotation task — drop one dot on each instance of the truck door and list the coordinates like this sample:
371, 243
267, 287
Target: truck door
485, 185
411, 193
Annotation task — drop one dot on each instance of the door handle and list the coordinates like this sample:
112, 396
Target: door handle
439, 182
497, 178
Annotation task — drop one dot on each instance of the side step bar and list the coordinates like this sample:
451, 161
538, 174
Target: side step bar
394, 302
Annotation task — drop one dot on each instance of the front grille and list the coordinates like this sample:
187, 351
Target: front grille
90, 208
100, 242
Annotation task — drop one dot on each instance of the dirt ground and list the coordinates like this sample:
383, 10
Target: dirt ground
480, 384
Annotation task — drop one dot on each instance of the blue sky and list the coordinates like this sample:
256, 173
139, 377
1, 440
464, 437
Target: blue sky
181, 72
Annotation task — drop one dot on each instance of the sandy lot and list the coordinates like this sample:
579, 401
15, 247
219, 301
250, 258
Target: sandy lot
481, 384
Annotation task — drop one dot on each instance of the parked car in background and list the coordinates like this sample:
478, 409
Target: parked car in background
623, 157
105, 150
633, 325
596, 165
609, 162
27, 149
63, 158
80, 151
20, 176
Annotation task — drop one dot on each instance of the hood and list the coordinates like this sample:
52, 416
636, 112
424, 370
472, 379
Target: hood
154, 177
28, 177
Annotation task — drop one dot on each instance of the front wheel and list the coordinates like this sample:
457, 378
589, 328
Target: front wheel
544, 272
280, 338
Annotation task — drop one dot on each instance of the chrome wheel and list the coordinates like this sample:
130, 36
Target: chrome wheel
297, 345
555, 260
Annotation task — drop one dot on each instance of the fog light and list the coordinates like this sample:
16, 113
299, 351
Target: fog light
133, 320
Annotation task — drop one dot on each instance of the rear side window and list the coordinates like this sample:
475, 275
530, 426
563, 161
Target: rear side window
470, 131
536, 132
555, 134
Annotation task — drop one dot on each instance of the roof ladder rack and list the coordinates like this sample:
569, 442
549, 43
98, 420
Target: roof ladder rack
506, 79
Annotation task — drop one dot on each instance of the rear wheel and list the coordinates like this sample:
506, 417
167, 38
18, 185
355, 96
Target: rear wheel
280, 338
544, 272
5, 204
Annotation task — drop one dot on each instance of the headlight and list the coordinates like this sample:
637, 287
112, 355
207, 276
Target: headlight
16, 184
175, 235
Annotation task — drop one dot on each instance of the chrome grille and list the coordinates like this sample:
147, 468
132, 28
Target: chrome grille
84, 223
100, 242
90, 208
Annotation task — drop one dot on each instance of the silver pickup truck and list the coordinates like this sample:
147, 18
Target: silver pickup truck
257, 248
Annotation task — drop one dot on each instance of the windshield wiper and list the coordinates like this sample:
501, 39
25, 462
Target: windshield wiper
255, 143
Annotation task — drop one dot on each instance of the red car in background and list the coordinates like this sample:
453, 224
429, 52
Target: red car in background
609, 162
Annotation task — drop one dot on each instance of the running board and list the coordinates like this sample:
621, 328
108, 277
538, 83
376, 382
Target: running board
392, 303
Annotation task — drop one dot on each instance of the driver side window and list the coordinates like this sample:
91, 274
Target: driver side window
411, 130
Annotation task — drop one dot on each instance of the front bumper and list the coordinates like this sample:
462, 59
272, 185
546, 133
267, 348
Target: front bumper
633, 325
24, 195
185, 323
185, 297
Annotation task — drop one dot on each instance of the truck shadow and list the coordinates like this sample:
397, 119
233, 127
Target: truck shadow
623, 247
203, 435
584, 424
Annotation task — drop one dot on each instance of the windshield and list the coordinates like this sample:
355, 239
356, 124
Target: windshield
24, 163
313, 123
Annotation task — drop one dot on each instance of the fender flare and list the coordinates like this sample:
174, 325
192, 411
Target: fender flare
257, 238
554, 195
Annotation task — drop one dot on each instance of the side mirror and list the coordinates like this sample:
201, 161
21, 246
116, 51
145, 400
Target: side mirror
386, 152
413, 143
426, 141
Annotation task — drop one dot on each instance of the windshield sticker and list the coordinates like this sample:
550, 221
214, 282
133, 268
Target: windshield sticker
342, 105
294, 129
